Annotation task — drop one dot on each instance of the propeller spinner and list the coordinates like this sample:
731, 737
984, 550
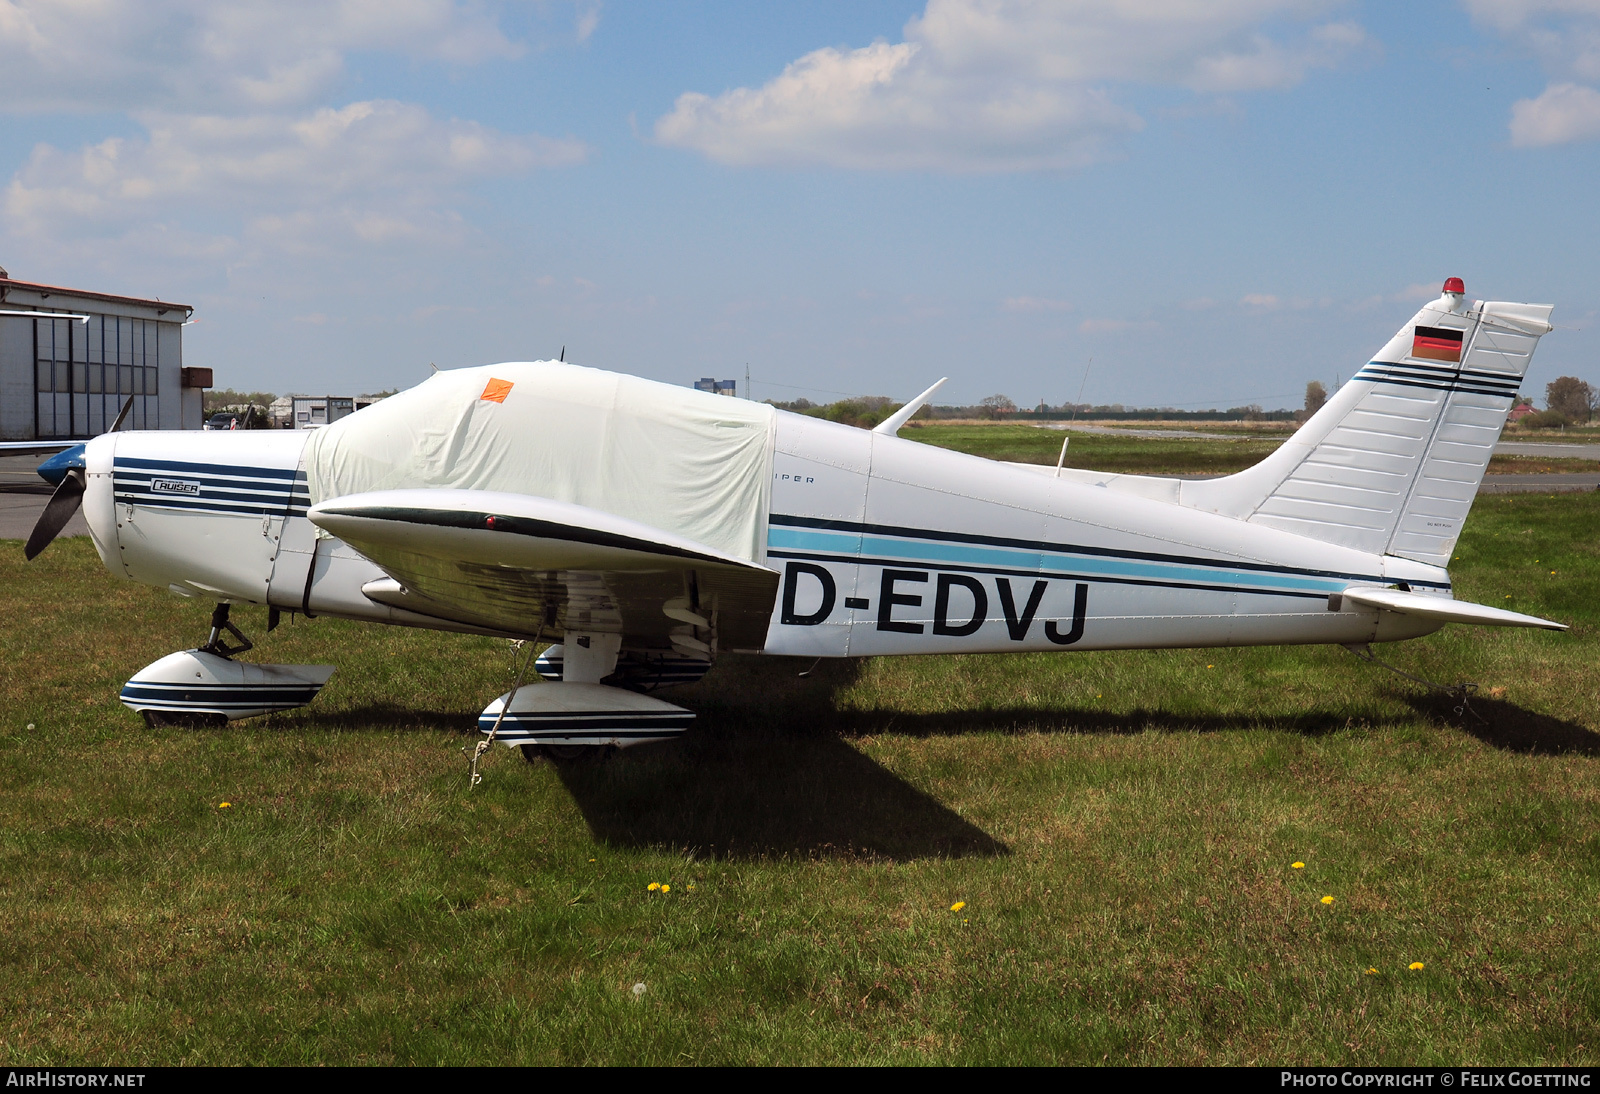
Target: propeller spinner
66, 471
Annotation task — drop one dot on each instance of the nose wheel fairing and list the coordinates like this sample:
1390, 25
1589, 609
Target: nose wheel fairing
194, 685
206, 686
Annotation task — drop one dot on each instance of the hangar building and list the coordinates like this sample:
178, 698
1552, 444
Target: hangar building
67, 378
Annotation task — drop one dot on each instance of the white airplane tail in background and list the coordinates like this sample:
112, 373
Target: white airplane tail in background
1392, 462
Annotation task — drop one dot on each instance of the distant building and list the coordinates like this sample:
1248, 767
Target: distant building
316, 411
281, 412
1519, 412
63, 378
717, 387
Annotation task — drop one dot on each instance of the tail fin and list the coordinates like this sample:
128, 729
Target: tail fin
1392, 462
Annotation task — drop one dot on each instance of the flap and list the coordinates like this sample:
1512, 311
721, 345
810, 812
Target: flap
528, 565
1446, 610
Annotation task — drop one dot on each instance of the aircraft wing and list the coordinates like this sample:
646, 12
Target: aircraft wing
523, 564
1446, 610
36, 448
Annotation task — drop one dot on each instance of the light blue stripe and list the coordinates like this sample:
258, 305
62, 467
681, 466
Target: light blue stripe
846, 543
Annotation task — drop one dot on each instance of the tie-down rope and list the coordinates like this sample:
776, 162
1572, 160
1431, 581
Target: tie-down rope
1458, 691
483, 745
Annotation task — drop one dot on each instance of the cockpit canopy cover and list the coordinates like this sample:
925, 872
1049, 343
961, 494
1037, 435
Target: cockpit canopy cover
683, 461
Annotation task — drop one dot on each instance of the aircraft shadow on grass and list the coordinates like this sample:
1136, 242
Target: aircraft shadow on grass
1507, 726
807, 796
768, 769
746, 786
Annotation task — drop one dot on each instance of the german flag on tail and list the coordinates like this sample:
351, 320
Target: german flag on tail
1437, 344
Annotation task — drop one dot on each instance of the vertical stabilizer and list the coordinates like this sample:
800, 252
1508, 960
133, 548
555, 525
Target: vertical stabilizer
1392, 462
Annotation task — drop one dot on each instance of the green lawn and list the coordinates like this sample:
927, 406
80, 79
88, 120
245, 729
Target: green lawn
1155, 455
1119, 826
1098, 451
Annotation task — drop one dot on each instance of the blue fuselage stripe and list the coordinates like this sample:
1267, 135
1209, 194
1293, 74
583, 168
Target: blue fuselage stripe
287, 474
219, 488
897, 551
877, 545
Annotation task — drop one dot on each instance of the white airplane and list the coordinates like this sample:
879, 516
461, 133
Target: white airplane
644, 529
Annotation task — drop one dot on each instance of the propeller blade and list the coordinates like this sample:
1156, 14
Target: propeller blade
122, 415
63, 503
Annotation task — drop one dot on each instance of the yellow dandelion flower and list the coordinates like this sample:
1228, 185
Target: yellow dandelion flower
1327, 900
1211, 666
958, 905
591, 860
1372, 972
653, 886
225, 805
666, 888
1415, 966
1297, 866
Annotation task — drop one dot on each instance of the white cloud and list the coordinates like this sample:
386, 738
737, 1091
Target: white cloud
1114, 326
382, 169
122, 55
1564, 113
588, 19
1418, 292
1026, 304
1509, 14
1565, 36
1002, 85
1260, 301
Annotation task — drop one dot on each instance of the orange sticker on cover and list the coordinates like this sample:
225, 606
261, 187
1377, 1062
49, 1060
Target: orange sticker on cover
496, 391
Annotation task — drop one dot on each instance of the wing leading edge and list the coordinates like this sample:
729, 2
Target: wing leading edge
530, 565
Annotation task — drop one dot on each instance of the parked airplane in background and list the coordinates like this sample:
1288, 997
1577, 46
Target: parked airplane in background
647, 528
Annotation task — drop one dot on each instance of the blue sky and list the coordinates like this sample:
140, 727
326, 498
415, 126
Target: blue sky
1216, 202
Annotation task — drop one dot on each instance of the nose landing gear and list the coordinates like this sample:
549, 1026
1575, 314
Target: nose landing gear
218, 643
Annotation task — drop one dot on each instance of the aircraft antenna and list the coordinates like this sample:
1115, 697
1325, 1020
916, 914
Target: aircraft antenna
563, 356
1081, 386
1061, 459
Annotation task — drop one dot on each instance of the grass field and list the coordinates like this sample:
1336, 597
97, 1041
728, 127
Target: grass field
1097, 451
1120, 828
1156, 455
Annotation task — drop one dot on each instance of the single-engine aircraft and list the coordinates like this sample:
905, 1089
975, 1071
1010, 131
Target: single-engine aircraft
643, 529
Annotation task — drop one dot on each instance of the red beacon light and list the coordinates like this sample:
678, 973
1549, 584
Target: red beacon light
1454, 284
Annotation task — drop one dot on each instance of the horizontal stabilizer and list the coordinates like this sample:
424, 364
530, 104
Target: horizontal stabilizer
1446, 611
